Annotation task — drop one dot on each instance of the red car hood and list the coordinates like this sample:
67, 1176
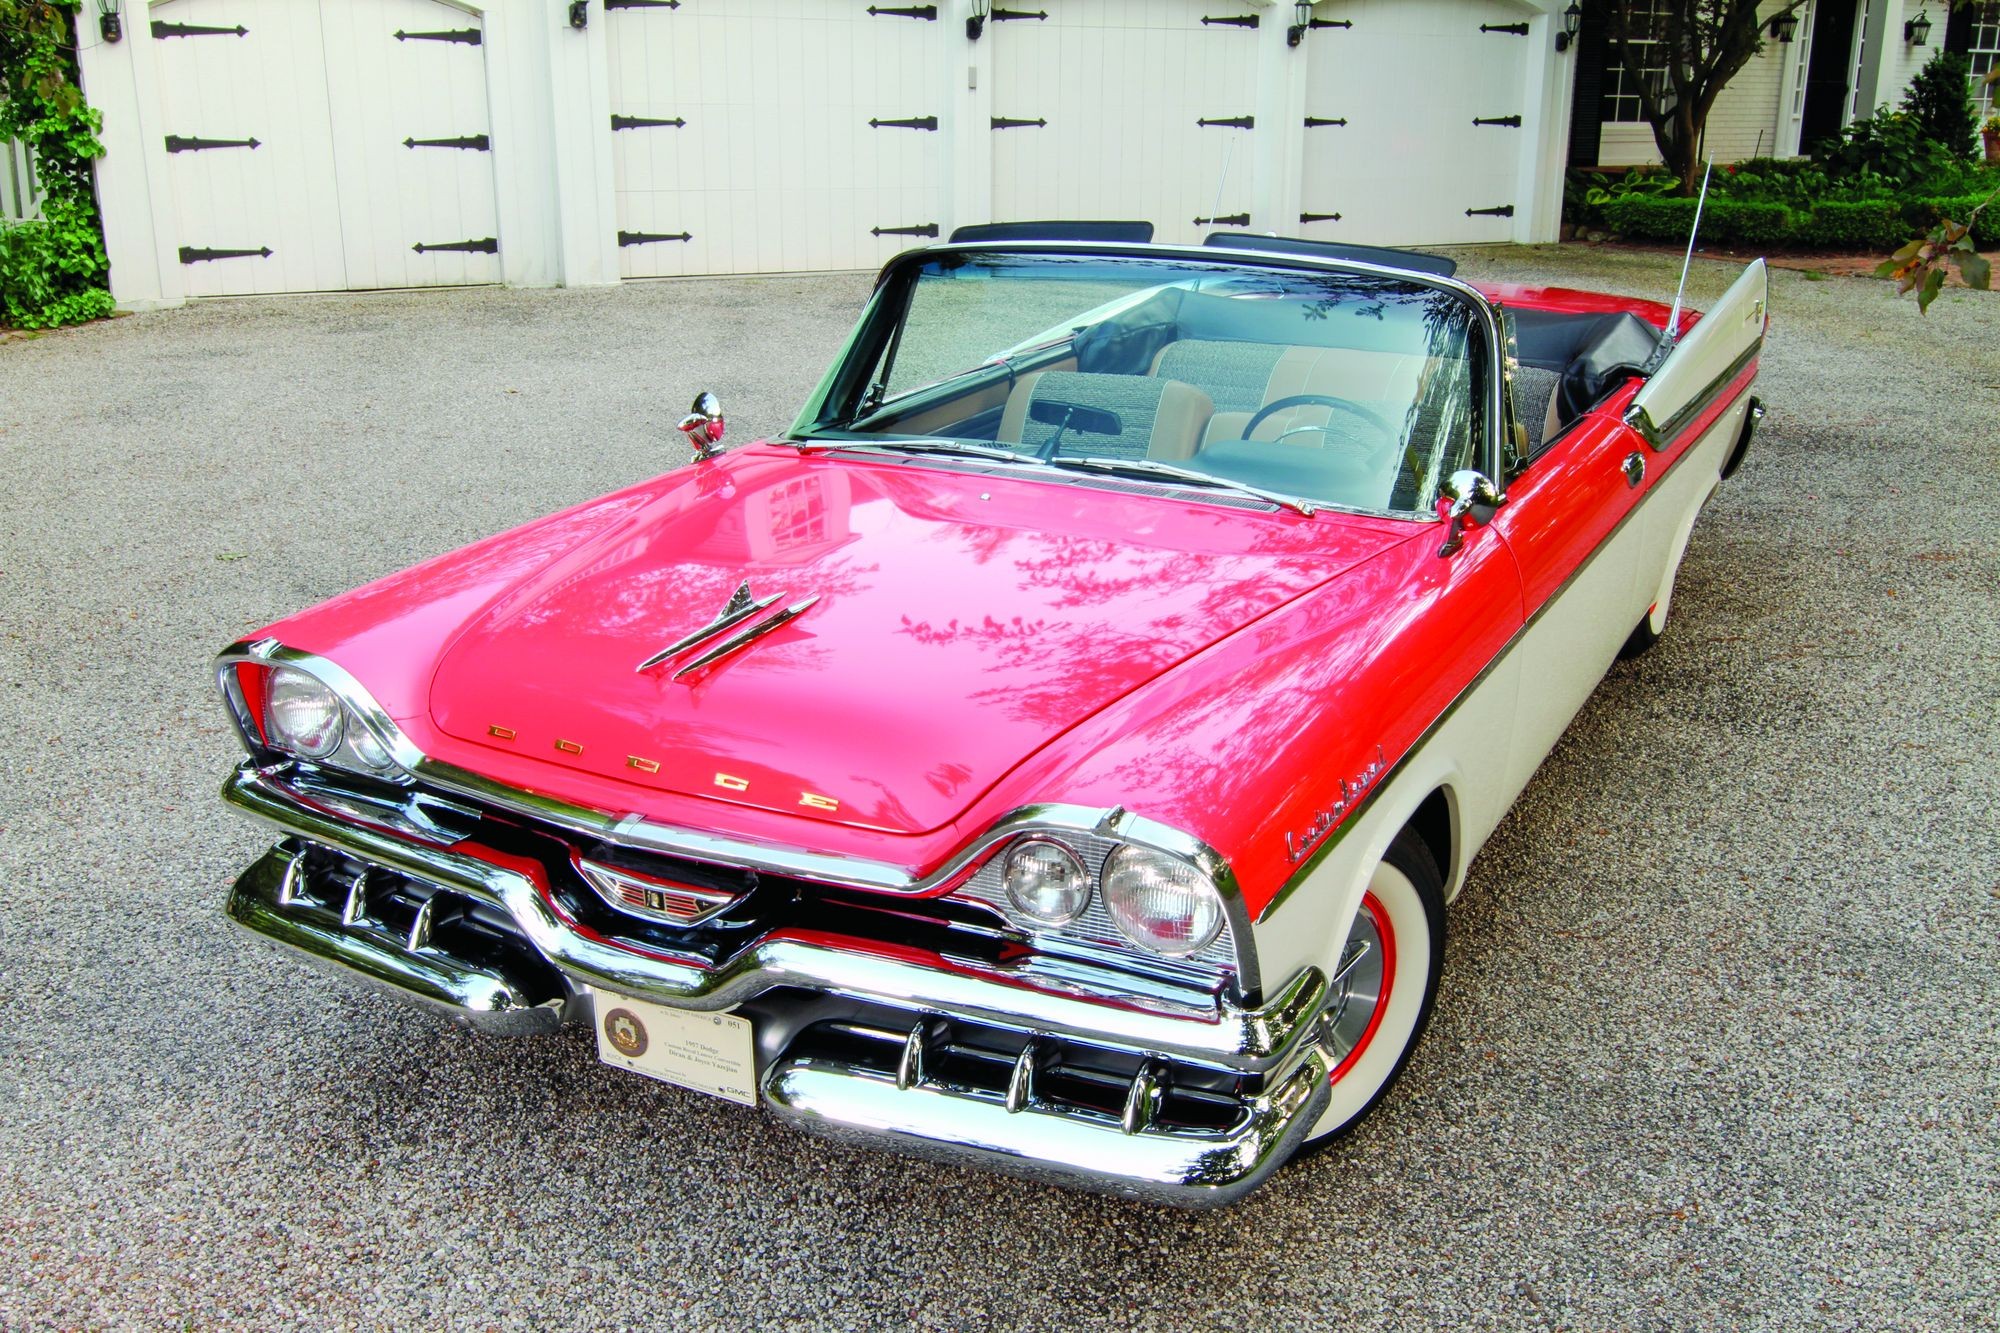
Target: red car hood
961, 623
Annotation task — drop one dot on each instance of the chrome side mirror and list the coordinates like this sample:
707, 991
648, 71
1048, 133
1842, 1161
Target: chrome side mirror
1472, 497
703, 426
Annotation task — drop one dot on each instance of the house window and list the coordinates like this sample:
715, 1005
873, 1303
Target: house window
1984, 50
1648, 19
1855, 109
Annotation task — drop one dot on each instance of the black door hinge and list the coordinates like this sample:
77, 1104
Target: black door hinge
928, 229
642, 4
1003, 123
1331, 23
1504, 211
1233, 21
478, 143
648, 237
462, 36
645, 123
915, 123
180, 144
487, 246
1511, 122
1015, 15
1511, 29
1314, 122
928, 13
1228, 220
1232, 122
166, 30
191, 255
1319, 217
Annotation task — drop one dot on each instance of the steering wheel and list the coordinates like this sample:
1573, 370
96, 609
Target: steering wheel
1389, 432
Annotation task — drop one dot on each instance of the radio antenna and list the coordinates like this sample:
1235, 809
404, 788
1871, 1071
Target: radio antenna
1228, 155
1674, 316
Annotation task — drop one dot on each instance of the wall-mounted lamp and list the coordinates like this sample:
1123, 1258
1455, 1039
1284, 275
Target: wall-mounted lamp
1784, 28
579, 14
975, 23
109, 25
1918, 30
1572, 24
1302, 17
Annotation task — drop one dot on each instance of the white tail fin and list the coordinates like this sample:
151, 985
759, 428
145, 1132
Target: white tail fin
1674, 316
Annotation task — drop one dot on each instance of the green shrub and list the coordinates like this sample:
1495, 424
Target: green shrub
1940, 104
1865, 224
1920, 215
1723, 221
52, 270
1889, 144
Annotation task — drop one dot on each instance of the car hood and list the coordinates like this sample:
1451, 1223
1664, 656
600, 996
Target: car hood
956, 624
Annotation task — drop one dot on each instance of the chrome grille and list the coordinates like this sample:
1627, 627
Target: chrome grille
1095, 927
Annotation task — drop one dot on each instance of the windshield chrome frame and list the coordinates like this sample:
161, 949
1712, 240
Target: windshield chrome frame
1492, 460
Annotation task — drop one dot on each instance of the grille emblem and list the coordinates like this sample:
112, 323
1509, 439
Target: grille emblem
652, 896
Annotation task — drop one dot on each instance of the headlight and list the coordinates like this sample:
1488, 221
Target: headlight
362, 744
303, 715
1046, 881
1161, 901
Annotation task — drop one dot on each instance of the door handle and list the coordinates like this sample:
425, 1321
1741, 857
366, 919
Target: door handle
1634, 468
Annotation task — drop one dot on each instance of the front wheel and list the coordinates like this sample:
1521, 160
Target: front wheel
1389, 967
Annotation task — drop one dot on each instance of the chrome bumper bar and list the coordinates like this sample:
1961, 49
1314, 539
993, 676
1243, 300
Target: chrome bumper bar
1275, 1045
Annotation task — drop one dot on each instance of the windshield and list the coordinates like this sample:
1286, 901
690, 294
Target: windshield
1343, 389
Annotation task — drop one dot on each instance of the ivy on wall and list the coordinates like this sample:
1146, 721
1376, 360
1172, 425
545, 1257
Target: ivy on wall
52, 268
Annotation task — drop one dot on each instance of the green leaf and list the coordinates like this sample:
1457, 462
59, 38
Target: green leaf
1977, 271
1933, 284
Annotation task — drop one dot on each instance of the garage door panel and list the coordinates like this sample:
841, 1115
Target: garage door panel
387, 93
233, 203
777, 166
1122, 87
1409, 163
333, 191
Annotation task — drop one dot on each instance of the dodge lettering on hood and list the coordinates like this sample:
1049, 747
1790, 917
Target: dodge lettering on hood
1057, 751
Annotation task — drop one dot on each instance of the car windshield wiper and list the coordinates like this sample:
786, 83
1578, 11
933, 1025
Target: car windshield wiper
1147, 467
956, 447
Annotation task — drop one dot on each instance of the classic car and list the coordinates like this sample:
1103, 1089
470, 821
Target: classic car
1057, 752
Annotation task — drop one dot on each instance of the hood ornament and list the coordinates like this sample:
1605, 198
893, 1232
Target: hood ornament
703, 426
740, 607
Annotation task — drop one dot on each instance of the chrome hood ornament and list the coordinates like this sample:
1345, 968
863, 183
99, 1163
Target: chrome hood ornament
739, 608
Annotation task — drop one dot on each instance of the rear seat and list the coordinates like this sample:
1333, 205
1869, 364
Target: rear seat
1242, 377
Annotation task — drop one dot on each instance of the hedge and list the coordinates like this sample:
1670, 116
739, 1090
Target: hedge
1641, 217
1875, 225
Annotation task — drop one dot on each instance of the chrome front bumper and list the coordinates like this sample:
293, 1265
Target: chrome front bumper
527, 969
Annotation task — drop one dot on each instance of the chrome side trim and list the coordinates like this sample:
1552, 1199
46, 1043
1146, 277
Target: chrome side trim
847, 872
1216, 1031
1661, 436
1353, 818
1154, 1163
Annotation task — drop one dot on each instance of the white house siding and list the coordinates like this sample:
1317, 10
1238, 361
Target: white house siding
775, 167
1753, 116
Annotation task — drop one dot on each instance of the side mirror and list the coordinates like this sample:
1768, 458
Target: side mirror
1466, 494
703, 426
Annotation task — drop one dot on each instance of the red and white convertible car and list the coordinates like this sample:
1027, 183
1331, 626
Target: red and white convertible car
1057, 752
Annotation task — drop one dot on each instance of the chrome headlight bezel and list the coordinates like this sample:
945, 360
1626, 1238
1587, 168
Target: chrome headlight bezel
1078, 888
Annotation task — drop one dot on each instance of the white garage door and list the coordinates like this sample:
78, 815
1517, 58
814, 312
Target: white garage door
1133, 109
760, 136
1415, 121
322, 145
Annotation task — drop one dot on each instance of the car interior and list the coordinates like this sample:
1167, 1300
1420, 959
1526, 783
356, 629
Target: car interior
1363, 396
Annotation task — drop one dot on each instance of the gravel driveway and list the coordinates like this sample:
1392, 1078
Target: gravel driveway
1718, 1045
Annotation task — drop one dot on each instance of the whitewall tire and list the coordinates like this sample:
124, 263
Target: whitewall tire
1384, 1001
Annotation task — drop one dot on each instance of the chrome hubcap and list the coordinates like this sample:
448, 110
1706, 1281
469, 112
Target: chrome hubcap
1358, 991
